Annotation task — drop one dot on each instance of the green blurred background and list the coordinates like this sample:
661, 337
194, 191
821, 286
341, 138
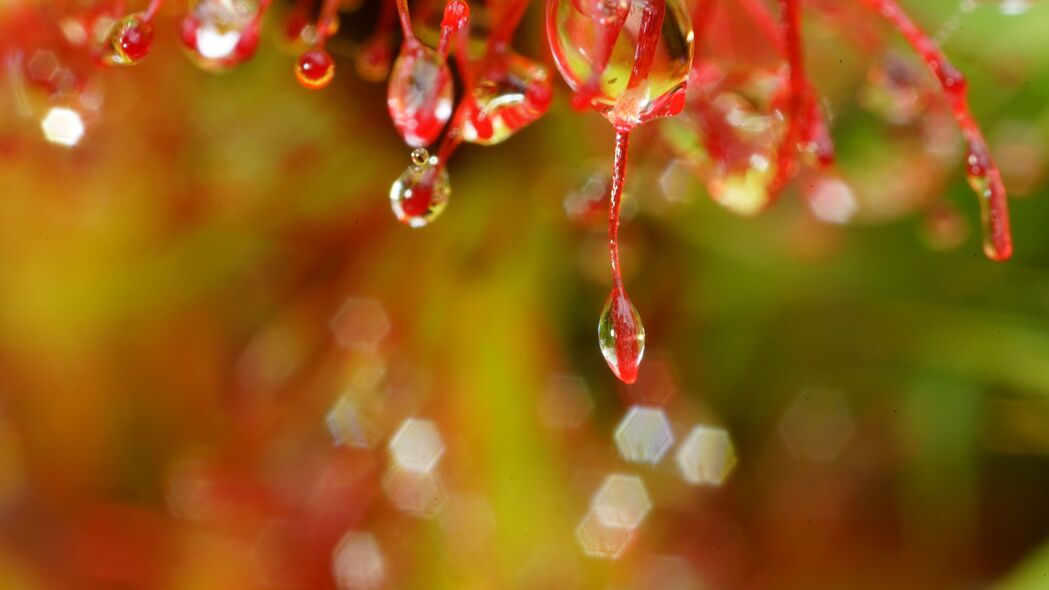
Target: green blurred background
167, 290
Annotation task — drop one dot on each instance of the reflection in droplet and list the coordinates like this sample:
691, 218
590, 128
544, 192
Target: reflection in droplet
621, 335
421, 193
644, 435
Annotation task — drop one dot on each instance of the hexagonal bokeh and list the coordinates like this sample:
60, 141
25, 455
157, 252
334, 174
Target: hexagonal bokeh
360, 324
644, 435
565, 402
418, 494
817, 425
417, 446
597, 539
357, 562
348, 426
621, 501
62, 126
707, 456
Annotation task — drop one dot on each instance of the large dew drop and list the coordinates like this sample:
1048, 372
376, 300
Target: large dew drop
596, 45
621, 335
221, 34
419, 96
421, 193
511, 92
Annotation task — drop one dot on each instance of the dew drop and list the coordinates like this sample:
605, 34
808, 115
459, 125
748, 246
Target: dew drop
420, 156
315, 69
128, 40
599, 46
220, 34
419, 96
421, 193
510, 93
621, 335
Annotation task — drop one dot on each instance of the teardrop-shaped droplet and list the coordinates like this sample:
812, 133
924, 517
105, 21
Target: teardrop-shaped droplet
221, 34
421, 193
419, 96
985, 180
315, 69
510, 93
128, 41
621, 336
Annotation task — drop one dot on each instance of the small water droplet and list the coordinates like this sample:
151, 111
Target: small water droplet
621, 335
315, 69
128, 40
421, 193
420, 156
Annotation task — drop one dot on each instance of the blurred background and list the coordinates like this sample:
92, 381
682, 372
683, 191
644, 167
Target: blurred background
224, 364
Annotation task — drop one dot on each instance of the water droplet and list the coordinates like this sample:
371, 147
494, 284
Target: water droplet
420, 156
419, 96
128, 40
221, 34
598, 45
510, 92
421, 193
985, 181
621, 335
315, 69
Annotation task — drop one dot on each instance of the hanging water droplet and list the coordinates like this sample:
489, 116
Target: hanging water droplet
420, 156
984, 180
221, 34
595, 44
128, 41
621, 335
511, 92
315, 69
421, 193
419, 96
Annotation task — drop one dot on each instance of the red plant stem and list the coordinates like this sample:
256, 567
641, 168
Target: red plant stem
980, 167
327, 21
786, 153
406, 22
503, 31
615, 200
647, 38
761, 16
